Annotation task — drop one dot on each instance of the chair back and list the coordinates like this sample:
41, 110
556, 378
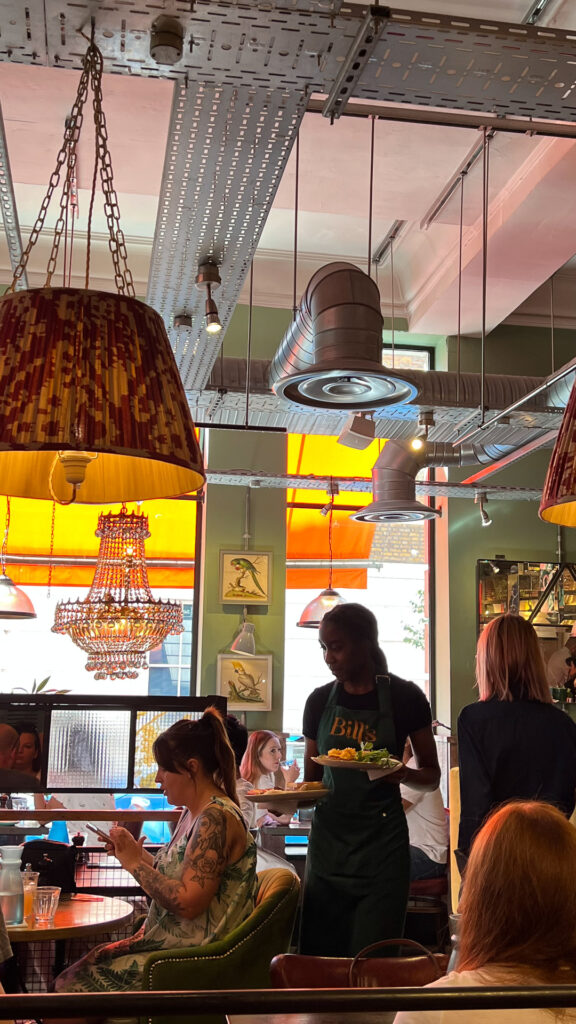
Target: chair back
293, 970
238, 960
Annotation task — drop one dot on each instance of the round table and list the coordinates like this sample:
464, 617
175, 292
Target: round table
75, 916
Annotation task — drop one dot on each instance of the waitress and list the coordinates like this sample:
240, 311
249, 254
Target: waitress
358, 865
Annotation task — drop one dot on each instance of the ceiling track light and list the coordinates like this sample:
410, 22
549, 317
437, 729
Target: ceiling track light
481, 501
208, 280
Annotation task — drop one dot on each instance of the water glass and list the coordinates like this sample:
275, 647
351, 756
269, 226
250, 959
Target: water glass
44, 903
29, 884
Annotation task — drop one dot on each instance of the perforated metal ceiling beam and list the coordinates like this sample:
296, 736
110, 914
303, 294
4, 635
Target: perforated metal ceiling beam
227, 149
9, 211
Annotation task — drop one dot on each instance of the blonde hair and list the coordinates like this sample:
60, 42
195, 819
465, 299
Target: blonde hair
509, 663
518, 905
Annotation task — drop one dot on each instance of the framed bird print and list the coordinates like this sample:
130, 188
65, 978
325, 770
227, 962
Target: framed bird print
245, 682
245, 577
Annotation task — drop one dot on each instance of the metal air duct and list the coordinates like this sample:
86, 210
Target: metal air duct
330, 358
331, 355
394, 477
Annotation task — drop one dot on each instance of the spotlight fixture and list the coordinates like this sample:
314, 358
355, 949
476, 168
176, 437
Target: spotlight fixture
495, 568
208, 279
481, 500
358, 431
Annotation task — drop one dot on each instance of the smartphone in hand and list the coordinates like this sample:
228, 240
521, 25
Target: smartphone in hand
100, 833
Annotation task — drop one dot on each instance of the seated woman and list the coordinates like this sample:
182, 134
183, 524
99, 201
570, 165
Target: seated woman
258, 770
202, 884
29, 753
518, 911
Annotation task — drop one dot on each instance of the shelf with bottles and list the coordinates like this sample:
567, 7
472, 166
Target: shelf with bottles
542, 592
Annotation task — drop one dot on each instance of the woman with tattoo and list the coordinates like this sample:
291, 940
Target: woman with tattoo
203, 883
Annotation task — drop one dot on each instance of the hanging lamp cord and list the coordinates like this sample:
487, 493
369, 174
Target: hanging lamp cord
330, 515
3, 552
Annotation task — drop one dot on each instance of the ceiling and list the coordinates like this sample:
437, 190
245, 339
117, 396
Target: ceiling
205, 163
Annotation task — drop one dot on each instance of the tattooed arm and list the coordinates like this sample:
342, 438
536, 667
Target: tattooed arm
217, 839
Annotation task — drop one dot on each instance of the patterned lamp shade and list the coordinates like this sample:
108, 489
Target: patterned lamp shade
558, 504
91, 374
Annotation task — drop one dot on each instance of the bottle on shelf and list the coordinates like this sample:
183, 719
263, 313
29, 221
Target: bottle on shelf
11, 887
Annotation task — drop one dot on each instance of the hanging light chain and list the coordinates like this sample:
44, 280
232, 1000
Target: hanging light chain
71, 135
51, 561
91, 75
116, 242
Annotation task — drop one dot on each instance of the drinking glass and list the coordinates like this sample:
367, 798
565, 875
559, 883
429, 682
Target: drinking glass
44, 903
29, 884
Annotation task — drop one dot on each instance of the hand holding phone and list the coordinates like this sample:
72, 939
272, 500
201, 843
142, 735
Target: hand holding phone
100, 833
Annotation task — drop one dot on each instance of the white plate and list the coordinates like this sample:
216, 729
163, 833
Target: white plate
358, 766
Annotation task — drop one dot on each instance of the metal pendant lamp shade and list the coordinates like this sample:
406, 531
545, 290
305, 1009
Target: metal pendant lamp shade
245, 642
14, 603
558, 504
315, 610
91, 373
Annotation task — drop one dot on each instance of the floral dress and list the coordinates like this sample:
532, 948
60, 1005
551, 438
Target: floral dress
118, 966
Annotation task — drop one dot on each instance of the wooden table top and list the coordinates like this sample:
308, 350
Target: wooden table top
76, 915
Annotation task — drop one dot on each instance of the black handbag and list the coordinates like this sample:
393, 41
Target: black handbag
55, 862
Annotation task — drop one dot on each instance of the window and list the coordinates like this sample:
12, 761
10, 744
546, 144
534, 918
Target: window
169, 672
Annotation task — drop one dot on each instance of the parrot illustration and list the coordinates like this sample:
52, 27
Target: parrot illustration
245, 568
248, 686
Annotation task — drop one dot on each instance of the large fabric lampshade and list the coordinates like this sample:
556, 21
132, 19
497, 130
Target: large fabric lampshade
91, 372
558, 504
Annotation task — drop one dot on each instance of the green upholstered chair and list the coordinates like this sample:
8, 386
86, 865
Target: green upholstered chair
239, 960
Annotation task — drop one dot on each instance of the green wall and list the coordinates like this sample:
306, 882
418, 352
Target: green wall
516, 530
224, 529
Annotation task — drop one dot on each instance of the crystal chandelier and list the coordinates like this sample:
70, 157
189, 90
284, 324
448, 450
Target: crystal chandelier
119, 621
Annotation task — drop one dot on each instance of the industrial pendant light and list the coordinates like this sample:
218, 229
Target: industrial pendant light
245, 641
14, 603
328, 599
92, 407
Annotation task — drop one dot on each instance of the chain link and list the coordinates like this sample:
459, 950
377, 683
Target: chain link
91, 76
51, 561
116, 242
4, 550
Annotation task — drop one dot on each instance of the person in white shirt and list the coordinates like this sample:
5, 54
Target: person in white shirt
518, 909
427, 827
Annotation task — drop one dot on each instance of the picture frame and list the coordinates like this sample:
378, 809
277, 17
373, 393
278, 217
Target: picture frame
245, 577
245, 682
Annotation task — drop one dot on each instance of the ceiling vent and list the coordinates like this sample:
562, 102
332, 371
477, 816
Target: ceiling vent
331, 355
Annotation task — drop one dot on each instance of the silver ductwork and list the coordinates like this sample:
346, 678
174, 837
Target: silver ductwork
330, 358
394, 477
331, 355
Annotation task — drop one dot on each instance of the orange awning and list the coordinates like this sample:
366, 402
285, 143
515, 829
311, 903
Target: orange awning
172, 525
308, 530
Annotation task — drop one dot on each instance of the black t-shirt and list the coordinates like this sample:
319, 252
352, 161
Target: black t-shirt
410, 708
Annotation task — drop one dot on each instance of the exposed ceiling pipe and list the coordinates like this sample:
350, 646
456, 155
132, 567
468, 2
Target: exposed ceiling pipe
330, 358
394, 477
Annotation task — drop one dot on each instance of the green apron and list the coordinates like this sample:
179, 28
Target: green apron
358, 863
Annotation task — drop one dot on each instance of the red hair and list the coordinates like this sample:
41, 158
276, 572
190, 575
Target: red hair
518, 906
509, 663
251, 767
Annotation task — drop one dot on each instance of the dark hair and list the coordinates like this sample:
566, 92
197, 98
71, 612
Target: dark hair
237, 736
204, 739
30, 727
359, 623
